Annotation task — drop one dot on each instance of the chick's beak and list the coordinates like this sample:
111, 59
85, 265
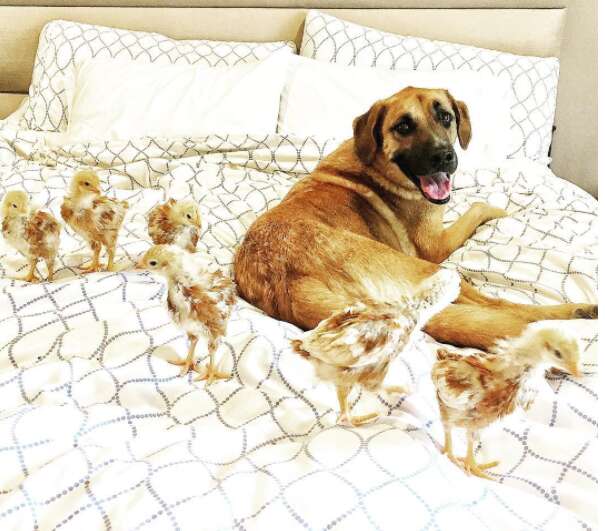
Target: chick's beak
140, 264
575, 370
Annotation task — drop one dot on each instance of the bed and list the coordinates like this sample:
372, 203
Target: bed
98, 431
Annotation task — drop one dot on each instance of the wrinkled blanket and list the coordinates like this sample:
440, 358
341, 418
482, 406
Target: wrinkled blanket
98, 431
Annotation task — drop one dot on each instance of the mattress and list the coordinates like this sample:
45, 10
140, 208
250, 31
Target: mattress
98, 431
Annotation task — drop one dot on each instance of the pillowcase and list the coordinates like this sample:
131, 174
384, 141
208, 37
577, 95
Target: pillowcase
113, 99
62, 42
533, 79
322, 99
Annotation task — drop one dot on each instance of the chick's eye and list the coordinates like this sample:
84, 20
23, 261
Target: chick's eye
86, 183
153, 263
14, 206
405, 127
188, 216
558, 354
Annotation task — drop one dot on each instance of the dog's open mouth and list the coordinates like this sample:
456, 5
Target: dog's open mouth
435, 187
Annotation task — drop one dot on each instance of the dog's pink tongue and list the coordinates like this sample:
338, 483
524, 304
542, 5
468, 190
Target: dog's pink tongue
436, 186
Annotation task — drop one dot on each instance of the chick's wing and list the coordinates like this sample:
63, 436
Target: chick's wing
460, 380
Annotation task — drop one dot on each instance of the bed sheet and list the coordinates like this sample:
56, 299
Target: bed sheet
98, 431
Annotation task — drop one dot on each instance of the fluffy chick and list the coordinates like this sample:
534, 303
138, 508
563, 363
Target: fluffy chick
356, 346
35, 234
175, 222
199, 301
475, 390
93, 216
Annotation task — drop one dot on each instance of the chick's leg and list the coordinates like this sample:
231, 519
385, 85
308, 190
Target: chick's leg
345, 413
31, 273
111, 253
94, 266
470, 465
50, 265
189, 362
212, 373
447, 447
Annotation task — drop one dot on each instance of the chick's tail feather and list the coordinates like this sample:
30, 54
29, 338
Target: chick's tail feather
442, 354
433, 294
361, 335
298, 348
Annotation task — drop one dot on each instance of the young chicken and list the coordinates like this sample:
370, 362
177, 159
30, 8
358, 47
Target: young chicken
356, 346
93, 216
475, 390
35, 233
176, 222
200, 301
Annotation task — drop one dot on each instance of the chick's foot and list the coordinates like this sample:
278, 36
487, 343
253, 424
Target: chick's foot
211, 375
90, 267
347, 420
186, 365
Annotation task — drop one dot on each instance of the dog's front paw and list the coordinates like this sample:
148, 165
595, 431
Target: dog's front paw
489, 212
586, 311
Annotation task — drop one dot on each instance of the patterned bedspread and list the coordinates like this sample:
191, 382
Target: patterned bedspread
98, 431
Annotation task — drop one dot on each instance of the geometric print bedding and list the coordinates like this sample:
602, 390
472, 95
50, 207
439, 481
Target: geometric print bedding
98, 431
62, 43
533, 80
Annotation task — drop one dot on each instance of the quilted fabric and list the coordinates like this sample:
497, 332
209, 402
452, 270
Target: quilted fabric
533, 79
62, 43
98, 431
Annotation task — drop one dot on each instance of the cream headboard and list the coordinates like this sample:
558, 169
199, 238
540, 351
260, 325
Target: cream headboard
537, 27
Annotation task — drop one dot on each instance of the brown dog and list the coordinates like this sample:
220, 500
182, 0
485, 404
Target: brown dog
369, 219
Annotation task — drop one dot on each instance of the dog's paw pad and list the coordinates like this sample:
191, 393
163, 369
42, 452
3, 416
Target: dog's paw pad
587, 311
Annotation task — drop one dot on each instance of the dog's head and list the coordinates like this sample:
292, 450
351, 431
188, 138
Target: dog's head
409, 139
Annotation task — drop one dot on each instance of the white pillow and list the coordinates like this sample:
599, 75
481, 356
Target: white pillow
118, 100
533, 79
322, 99
62, 43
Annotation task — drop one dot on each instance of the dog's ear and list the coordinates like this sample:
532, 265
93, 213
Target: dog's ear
463, 121
367, 133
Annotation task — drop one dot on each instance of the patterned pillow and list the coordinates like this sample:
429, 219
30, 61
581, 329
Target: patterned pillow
62, 43
533, 79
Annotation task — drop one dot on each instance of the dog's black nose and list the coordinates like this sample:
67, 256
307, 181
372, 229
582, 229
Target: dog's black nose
445, 160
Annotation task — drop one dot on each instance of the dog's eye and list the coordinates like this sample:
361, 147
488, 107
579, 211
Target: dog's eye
446, 118
405, 127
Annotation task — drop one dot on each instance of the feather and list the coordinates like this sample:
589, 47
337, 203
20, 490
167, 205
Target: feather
358, 343
475, 390
175, 223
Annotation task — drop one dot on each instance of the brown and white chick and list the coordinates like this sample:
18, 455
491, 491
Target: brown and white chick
475, 390
199, 301
177, 223
34, 233
94, 217
356, 346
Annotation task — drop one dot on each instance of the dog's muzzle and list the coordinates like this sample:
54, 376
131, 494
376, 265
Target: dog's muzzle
436, 184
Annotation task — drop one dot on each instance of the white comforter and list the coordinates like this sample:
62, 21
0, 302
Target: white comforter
98, 431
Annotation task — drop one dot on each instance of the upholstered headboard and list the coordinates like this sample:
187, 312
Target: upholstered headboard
538, 27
